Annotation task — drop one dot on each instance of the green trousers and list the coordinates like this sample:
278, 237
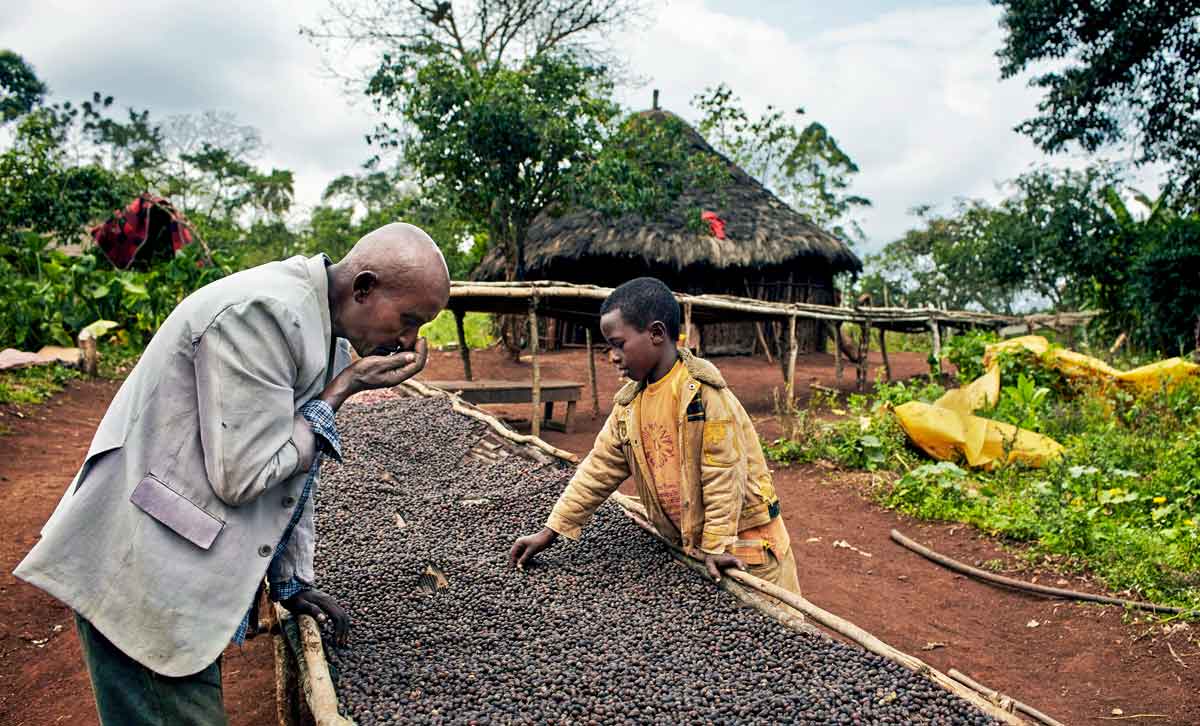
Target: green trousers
130, 694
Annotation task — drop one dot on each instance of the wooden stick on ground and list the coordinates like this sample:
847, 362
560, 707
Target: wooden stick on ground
494, 423
845, 628
314, 671
1000, 698
975, 572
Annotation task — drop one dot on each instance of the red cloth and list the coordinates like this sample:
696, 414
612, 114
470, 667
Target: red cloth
147, 220
716, 225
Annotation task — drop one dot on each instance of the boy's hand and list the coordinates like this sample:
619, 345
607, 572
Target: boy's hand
717, 564
528, 546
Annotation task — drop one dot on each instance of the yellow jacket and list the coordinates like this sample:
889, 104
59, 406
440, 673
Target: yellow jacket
725, 489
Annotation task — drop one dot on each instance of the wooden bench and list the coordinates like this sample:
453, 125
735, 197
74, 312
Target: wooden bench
491, 391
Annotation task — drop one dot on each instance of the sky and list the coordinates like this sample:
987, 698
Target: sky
910, 90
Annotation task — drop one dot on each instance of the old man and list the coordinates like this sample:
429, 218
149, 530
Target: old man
200, 478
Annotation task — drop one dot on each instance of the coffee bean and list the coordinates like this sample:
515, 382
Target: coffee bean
606, 630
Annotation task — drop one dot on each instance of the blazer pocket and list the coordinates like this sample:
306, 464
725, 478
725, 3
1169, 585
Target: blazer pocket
175, 511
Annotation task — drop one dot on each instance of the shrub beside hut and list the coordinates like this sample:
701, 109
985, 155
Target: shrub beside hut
739, 239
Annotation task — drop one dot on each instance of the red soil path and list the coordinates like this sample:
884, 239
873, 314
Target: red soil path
1078, 664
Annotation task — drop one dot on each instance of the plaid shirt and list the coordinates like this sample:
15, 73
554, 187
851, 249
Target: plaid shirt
320, 416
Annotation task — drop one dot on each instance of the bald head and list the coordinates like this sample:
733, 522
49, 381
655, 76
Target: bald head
400, 254
390, 283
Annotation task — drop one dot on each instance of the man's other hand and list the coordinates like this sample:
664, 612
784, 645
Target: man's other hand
322, 608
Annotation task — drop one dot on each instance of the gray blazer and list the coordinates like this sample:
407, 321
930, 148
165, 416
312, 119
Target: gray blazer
165, 533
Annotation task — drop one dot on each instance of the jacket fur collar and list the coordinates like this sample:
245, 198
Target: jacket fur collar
697, 368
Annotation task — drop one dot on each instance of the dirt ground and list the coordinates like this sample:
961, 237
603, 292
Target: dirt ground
1078, 663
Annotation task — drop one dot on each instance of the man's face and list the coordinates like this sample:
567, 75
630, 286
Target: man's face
383, 321
634, 352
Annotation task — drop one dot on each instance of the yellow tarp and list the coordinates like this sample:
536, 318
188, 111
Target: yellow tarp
949, 435
949, 431
1078, 365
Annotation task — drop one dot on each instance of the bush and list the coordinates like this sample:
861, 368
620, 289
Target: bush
48, 297
966, 352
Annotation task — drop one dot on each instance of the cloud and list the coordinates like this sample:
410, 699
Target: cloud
913, 96
189, 56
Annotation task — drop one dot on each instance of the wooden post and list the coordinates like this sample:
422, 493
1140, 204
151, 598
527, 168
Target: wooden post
463, 350
537, 372
936, 368
87, 351
791, 367
864, 352
592, 371
687, 325
836, 330
762, 340
887, 365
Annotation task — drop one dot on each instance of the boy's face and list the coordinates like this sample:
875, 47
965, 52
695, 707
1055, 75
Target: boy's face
634, 352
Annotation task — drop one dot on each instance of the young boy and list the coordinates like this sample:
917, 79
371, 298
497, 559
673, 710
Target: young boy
686, 441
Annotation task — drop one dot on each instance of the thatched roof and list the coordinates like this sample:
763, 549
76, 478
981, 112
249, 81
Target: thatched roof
760, 229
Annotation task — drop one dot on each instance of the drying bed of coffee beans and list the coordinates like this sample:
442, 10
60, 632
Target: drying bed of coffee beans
413, 537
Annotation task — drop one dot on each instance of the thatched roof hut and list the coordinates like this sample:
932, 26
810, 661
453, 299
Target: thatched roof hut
769, 250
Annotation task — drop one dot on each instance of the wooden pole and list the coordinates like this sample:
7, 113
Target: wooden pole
864, 353
791, 367
1000, 699
935, 329
762, 340
592, 372
687, 325
887, 364
89, 354
836, 329
463, 350
537, 372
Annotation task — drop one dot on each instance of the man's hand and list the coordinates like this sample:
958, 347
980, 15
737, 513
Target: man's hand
528, 546
376, 371
716, 564
322, 608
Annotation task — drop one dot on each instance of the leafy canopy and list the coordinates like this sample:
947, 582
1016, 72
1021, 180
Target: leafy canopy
803, 165
1122, 72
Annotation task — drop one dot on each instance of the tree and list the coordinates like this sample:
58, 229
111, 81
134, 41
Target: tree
1122, 72
944, 263
1042, 238
355, 204
499, 146
479, 36
804, 166
498, 105
20, 89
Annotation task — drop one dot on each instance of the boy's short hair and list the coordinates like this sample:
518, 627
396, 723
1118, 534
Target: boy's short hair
644, 300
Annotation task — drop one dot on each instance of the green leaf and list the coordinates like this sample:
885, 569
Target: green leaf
100, 327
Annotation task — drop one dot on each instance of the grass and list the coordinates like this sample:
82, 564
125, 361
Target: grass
1122, 503
31, 386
